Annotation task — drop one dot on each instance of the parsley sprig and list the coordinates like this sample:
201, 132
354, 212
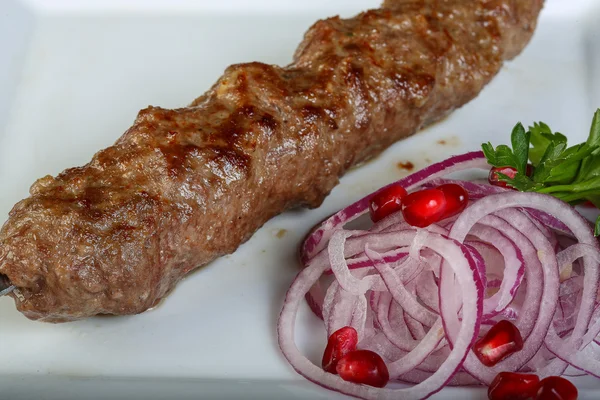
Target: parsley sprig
570, 173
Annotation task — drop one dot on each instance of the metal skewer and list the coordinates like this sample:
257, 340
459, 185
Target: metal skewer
5, 286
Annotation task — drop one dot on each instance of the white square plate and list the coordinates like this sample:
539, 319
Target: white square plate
73, 75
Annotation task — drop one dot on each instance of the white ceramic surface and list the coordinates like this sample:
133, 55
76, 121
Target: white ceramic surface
73, 75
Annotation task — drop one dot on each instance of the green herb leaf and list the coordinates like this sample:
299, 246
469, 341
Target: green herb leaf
489, 153
541, 137
520, 182
590, 185
548, 161
574, 197
564, 167
594, 138
520, 143
590, 168
502, 156
571, 174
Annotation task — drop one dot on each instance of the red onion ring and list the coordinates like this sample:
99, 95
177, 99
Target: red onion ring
472, 289
417, 296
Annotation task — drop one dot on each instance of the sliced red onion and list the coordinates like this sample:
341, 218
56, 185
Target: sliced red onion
585, 359
417, 296
472, 291
347, 309
342, 311
425, 347
359, 315
576, 350
461, 228
513, 272
416, 329
573, 372
319, 238
398, 335
478, 190
427, 293
395, 286
527, 316
339, 266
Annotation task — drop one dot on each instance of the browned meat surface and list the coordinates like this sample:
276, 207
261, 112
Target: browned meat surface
183, 187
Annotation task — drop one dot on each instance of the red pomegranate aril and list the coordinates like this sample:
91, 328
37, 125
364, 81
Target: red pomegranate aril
456, 198
424, 207
513, 386
502, 340
340, 343
386, 202
556, 388
589, 204
363, 366
494, 179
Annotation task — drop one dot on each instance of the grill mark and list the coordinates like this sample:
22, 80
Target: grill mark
414, 87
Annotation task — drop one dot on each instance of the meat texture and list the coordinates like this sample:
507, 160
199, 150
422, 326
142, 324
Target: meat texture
183, 187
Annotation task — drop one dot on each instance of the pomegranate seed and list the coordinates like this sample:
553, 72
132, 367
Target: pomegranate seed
424, 207
340, 343
363, 366
589, 204
513, 386
386, 202
500, 342
556, 388
494, 179
456, 198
